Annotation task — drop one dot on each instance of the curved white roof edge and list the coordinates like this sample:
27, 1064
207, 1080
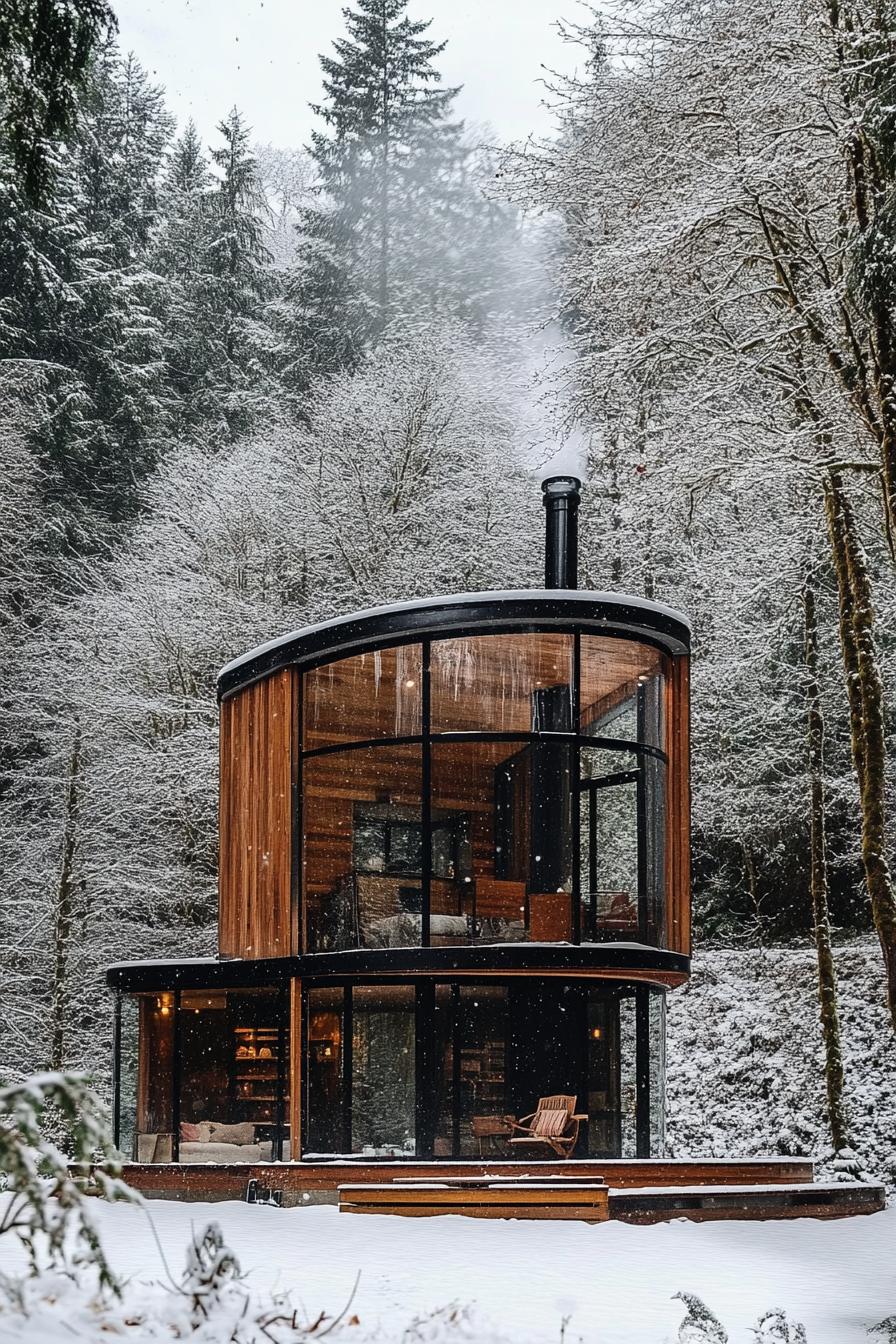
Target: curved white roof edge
511, 594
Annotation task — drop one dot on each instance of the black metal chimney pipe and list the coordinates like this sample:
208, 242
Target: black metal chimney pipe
561, 540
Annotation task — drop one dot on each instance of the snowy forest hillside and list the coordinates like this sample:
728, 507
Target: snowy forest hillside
746, 1060
245, 387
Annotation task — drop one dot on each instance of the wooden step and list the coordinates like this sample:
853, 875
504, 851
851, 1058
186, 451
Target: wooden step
514, 1199
702, 1204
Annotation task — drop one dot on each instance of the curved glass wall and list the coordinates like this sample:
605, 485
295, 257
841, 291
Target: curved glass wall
490, 788
436, 1070
414, 1068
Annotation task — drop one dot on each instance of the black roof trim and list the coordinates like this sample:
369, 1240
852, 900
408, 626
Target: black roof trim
490, 959
469, 613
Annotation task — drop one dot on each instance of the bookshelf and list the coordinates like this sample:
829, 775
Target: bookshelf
255, 1075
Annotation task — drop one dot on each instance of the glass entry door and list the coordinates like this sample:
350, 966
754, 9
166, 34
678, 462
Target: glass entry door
611, 818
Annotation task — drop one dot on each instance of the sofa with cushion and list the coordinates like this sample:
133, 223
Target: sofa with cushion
209, 1141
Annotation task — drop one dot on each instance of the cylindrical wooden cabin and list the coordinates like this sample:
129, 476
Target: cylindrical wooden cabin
454, 879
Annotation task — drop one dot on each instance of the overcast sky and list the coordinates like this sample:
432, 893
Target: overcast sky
262, 55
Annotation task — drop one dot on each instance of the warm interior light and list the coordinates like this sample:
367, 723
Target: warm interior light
596, 1033
410, 682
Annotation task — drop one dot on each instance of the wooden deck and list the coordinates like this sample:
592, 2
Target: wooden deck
639, 1190
318, 1182
646, 1190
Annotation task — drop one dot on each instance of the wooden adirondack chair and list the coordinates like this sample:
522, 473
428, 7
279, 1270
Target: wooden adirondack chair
554, 1125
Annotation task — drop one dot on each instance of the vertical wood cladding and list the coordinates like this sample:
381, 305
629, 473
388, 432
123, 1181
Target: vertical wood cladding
258, 757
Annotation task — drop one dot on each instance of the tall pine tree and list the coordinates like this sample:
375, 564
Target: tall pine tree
239, 274
399, 214
76, 297
181, 255
210, 251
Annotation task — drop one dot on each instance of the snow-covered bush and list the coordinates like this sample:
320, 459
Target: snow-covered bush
46, 1206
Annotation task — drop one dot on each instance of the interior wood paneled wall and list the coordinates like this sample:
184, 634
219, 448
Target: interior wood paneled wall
678, 812
334, 784
259, 750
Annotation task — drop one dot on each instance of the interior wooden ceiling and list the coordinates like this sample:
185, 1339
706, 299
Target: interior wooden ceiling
485, 682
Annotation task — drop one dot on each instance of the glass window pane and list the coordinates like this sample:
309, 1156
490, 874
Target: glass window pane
655, 841
614, 673
472, 1041
383, 1088
369, 696
657, 1071
622, 890
405, 849
362, 848
153, 1137
628, 1082
603, 1106
502, 683
446, 1142
511, 803
128, 1075
230, 1075
608, 850
324, 1120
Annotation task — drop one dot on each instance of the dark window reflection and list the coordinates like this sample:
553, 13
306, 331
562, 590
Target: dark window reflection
383, 1090
325, 1118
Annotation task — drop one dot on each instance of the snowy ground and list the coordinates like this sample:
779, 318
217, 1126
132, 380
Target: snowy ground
518, 1281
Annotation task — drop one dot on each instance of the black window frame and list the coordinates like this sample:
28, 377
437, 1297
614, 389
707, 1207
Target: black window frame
652, 930
428, 1062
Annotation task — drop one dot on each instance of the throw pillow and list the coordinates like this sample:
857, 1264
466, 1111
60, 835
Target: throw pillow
239, 1134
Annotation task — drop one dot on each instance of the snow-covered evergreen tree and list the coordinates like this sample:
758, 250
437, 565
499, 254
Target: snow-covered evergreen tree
76, 299
238, 274
401, 226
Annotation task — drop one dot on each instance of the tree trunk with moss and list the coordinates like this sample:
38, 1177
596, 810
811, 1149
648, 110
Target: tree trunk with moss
818, 881
865, 692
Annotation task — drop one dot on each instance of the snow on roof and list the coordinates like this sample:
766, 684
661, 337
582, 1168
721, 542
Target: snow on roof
451, 599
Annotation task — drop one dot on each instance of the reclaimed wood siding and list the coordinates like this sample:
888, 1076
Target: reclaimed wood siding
259, 749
